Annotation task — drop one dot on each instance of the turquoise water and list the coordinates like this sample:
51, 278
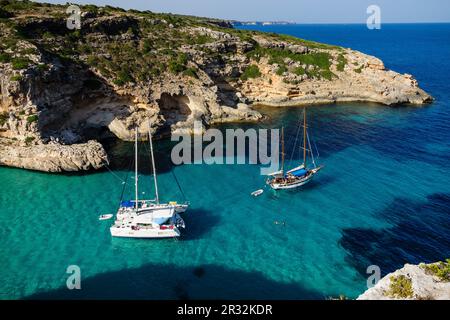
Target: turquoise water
383, 198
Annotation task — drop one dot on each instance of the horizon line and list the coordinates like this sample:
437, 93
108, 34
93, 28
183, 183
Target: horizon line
327, 23
274, 22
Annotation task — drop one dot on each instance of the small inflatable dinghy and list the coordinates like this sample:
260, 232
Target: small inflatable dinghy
105, 217
257, 192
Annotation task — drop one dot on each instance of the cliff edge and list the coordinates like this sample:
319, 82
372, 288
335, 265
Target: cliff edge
413, 282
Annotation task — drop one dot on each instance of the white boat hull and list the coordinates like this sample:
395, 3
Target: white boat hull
150, 223
279, 186
295, 184
144, 233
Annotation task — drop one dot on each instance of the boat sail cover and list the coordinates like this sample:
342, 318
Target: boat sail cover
299, 171
127, 204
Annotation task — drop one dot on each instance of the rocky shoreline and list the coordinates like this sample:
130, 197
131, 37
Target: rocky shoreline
60, 89
413, 282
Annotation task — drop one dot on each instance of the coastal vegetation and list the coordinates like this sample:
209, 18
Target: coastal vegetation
143, 45
32, 118
342, 62
314, 64
358, 70
400, 287
251, 72
440, 269
16, 77
29, 140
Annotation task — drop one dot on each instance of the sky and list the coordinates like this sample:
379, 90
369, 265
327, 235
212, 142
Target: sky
300, 11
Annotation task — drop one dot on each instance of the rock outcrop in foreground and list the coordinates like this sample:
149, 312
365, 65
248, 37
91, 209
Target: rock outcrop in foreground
413, 282
54, 157
61, 88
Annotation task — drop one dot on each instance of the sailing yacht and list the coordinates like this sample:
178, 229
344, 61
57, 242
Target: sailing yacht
299, 175
148, 218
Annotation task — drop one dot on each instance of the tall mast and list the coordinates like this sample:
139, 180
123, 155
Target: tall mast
153, 162
282, 149
304, 137
136, 165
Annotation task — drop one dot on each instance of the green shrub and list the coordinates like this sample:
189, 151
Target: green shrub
400, 287
342, 62
123, 77
191, 72
281, 69
251, 72
29, 140
5, 57
32, 118
3, 118
320, 60
146, 46
42, 67
299, 71
16, 77
308, 43
19, 5
90, 8
20, 63
358, 70
440, 270
327, 74
176, 67
47, 35
28, 51
178, 64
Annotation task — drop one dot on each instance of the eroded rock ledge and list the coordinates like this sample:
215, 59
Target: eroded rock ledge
62, 88
54, 157
413, 282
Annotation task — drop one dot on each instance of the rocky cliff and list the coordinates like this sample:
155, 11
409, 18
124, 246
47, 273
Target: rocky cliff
413, 282
61, 88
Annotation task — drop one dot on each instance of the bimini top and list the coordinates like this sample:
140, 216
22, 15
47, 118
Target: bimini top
299, 172
127, 204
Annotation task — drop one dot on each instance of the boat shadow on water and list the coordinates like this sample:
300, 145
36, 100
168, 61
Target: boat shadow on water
167, 281
420, 232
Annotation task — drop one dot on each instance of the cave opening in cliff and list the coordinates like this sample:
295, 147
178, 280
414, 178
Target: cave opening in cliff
174, 108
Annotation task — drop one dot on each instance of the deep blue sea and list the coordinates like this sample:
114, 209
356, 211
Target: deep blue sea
382, 199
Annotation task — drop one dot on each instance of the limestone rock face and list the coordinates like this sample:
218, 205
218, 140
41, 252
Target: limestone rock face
364, 78
129, 70
424, 285
55, 157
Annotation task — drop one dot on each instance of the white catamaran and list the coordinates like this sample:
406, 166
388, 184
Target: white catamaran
148, 218
299, 175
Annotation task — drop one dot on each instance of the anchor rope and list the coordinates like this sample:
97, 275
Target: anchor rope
178, 184
125, 184
115, 175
